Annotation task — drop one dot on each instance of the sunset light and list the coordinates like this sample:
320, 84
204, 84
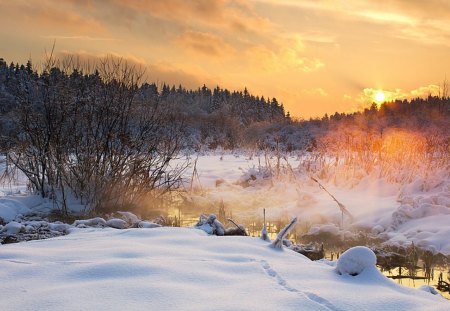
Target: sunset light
225, 154
315, 57
380, 97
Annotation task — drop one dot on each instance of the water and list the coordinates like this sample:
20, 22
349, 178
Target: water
402, 276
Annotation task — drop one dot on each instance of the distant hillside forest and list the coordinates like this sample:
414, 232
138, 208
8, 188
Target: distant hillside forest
110, 141
205, 118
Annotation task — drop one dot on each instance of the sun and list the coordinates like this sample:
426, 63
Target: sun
380, 97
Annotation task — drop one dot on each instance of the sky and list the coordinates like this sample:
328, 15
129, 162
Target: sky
315, 57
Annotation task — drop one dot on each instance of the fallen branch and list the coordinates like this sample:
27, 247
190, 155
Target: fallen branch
278, 242
237, 226
343, 209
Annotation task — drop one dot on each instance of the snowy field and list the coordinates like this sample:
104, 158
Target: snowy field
185, 269
180, 268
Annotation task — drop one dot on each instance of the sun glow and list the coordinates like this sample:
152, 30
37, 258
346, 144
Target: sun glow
380, 97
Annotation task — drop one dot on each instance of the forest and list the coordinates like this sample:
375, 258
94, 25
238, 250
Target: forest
110, 139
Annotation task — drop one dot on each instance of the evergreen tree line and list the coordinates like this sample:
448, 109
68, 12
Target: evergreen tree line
211, 117
108, 139
218, 117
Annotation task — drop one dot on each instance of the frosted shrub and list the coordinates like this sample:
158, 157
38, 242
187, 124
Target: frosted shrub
355, 260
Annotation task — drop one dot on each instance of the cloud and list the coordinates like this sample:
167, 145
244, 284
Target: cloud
160, 72
367, 96
387, 17
85, 38
283, 54
49, 15
424, 22
235, 15
425, 91
205, 44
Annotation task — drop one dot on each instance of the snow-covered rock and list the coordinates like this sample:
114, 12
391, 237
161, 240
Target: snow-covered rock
355, 260
93, 222
59, 226
148, 224
210, 225
218, 227
117, 223
13, 227
129, 217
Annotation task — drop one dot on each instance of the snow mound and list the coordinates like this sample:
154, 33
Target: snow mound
93, 222
117, 223
355, 260
130, 218
13, 227
429, 289
9, 209
59, 226
148, 224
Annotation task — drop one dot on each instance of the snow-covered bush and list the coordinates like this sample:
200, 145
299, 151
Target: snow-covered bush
98, 136
355, 260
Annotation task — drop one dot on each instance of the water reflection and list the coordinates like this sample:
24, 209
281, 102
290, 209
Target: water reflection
420, 277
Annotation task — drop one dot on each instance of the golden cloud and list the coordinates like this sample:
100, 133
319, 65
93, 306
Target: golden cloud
367, 96
235, 15
50, 15
284, 54
424, 22
205, 43
158, 73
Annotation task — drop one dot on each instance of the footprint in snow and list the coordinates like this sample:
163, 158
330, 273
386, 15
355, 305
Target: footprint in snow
282, 282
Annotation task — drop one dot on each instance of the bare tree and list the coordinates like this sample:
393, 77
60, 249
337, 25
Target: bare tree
90, 136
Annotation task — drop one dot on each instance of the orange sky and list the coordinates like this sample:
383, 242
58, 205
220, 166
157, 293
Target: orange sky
316, 57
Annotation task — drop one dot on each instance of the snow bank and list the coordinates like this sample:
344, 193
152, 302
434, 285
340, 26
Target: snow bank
10, 208
429, 289
185, 269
